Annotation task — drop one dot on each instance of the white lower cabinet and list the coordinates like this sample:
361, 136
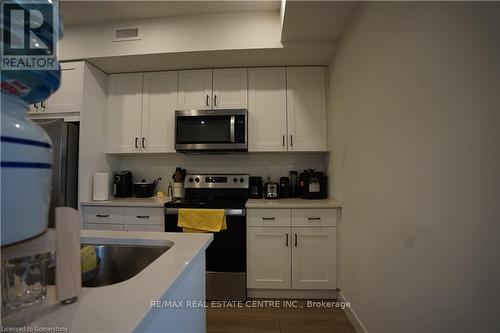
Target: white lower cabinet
123, 218
268, 257
290, 256
314, 258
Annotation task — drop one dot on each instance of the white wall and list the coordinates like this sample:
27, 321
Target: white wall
272, 165
226, 31
414, 123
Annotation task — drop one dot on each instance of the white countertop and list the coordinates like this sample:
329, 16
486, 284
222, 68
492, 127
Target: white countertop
121, 307
131, 201
293, 203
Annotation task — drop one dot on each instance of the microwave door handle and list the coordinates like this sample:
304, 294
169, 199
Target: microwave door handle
231, 129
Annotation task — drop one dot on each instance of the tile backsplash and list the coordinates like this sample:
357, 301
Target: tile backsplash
272, 165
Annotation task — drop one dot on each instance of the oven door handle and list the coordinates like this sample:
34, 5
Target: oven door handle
227, 212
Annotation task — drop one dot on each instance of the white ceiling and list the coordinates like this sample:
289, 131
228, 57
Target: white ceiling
316, 20
80, 12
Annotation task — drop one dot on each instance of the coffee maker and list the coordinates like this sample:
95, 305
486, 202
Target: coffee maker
256, 187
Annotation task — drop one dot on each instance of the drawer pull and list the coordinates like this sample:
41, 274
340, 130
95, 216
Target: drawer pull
102, 215
269, 218
143, 216
314, 218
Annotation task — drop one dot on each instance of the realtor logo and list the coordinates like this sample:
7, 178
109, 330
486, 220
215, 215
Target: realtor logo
29, 33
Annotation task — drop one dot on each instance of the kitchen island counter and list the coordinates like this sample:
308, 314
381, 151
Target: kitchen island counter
178, 274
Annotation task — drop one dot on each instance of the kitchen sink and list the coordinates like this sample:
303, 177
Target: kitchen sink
119, 262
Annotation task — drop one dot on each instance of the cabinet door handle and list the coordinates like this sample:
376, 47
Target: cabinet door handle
215, 100
269, 218
291, 140
208, 100
314, 218
283, 140
295, 240
286, 242
136, 142
36, 106
102, 215
42, 104
143, 216
143, 142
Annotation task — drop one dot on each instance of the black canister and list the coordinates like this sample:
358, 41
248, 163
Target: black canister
293, 184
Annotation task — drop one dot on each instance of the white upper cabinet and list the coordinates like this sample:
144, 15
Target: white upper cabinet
268, 257
68, 98
230, 88
306, 104
286, 106
142, 112
158, 113
267, 109
124, 115
195, 89
314, 258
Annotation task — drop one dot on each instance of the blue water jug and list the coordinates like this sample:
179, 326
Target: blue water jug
31, 85
26, 150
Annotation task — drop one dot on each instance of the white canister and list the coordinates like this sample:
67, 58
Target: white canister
26, 171
100, 186
178, 190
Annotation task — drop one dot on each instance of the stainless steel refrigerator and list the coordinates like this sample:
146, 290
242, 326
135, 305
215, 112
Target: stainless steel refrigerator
64, 138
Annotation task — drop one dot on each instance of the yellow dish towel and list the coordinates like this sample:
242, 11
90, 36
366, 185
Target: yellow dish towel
202, 220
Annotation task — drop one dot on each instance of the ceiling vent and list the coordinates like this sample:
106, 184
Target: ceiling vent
126, 34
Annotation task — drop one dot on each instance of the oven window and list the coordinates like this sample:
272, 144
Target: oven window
200, 129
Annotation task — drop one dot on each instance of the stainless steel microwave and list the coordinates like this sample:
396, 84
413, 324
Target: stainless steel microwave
200, 131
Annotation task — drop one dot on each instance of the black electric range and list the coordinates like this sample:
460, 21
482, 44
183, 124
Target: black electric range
226, 255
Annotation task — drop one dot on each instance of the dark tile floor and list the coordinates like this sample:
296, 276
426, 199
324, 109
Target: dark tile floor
281, 319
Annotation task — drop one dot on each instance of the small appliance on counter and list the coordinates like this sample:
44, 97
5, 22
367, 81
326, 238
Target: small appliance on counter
284, 187
145, 189
256, 187
271, 190
123, 184
313, 185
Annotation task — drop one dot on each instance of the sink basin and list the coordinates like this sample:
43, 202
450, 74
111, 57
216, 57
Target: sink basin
120, 262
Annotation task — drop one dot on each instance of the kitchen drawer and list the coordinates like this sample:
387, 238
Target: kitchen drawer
104, 214
102, 226
143, 227
314, 217
142, 215
268, 217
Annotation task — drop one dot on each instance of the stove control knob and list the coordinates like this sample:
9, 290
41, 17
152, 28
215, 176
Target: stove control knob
197, 179
235, 179
190, 180
242, 180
